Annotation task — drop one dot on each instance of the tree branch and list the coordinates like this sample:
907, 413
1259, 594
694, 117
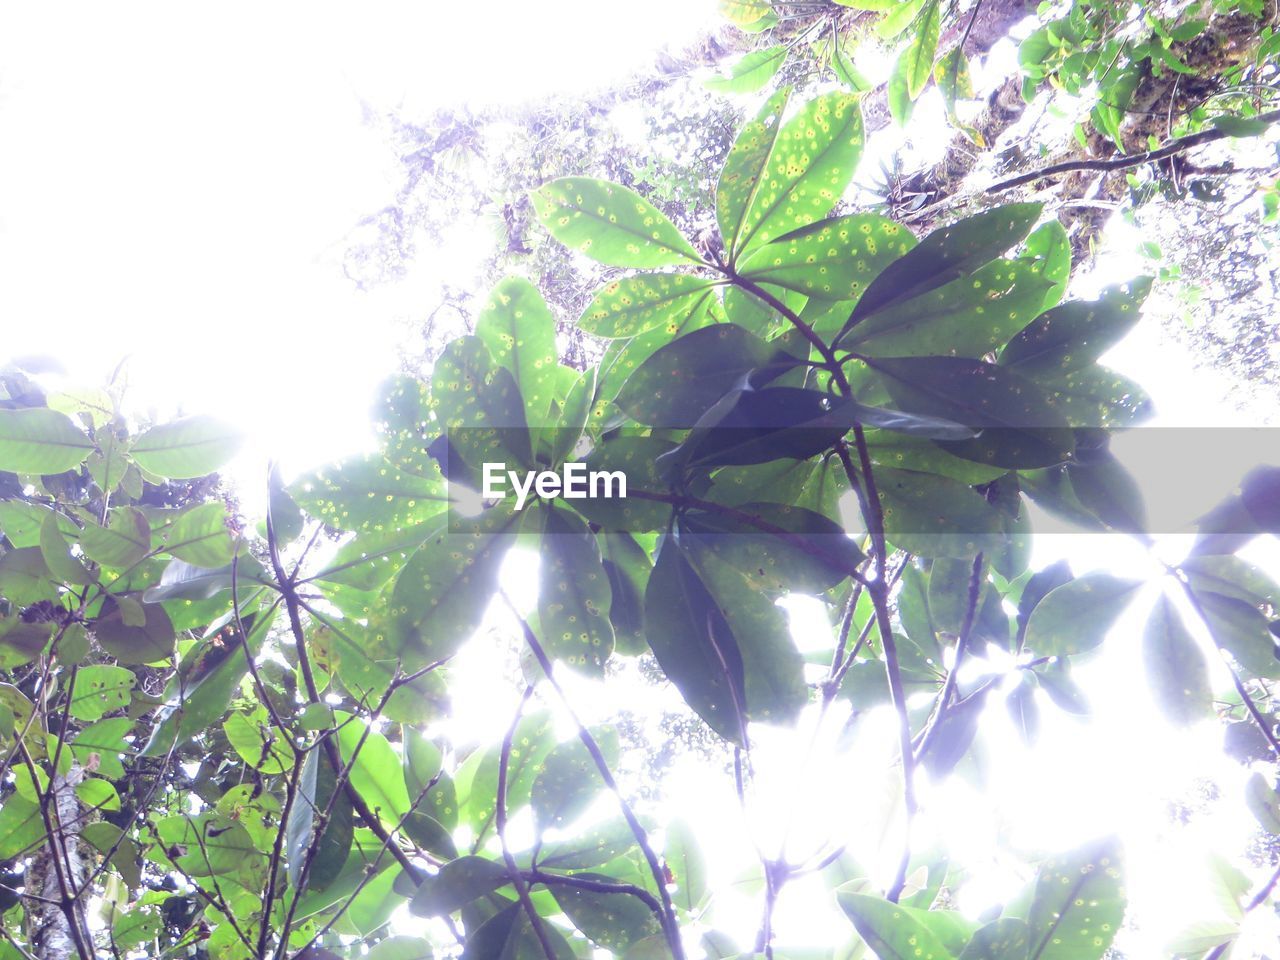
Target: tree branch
1180, 145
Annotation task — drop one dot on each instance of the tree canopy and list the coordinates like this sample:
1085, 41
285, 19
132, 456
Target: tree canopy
226, 738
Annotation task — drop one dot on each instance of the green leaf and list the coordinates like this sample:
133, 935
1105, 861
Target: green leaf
1233, 577
203, 689
100, 690
935, 516
1076, 616
1079, 904
613, 921
458, 883
750, 72
946, 255
106, 738
39, 440
400, 947
1004, 939
21, 826
144, 642
25, 578
952, 77
592, 847
369, 493
628, 568
97, 794
1049, 244
316, 796
479, 405
742, 176
57, 555
124, 541
810, 164
683, 857
1020, 426
897, 18
633, 305
257, 743
743, 13
186, 448
832, 259
573, 600
894, 932
723, 644
924, 45
1073, 335
520, 332
1177, 672
968, 317
683, 379
375, 767
1232, 126
568, 780
1240, 629
610, 223
815, 555
441, 594
508, 936
199, 536
635, 457
898, 92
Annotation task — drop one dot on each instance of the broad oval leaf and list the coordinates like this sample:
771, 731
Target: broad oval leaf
40, 440
1076, 616
832, 259
186, 448
1177, 671
633, 305
517, 326
810, 163
893, 931
573, 600
610, 223
1079, 904
750, 72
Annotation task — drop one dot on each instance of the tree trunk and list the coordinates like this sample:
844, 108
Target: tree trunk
59, 928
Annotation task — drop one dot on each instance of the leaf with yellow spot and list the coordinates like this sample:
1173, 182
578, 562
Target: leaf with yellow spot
923, 46
573, 599
1049, 244
743, 13
634, 456
368, 493
935, 516
750, 72
892, 931
517, 326
1020, 426
1003, 939
568, 780
1095, 396
632, 305
610, 223
681, 381
947, 254
441, 594
832, 259
479, 405
1079, 904
968, 317
623, 357
1073, 335
810, 164
742, 176
402, 419
1177, 672
614, 921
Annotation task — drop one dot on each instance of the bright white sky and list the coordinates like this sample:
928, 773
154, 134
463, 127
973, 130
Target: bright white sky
176, 188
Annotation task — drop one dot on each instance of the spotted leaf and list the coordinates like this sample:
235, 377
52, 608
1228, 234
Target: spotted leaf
810, 164
1070, 337
573, 602
479, 405
633, 305
947, 254
1079, 904
610, 223
1177, 672
568, 779
1076, 616
892, 931
832, 259
1003, 939
370, 494
969, 317
520, 332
